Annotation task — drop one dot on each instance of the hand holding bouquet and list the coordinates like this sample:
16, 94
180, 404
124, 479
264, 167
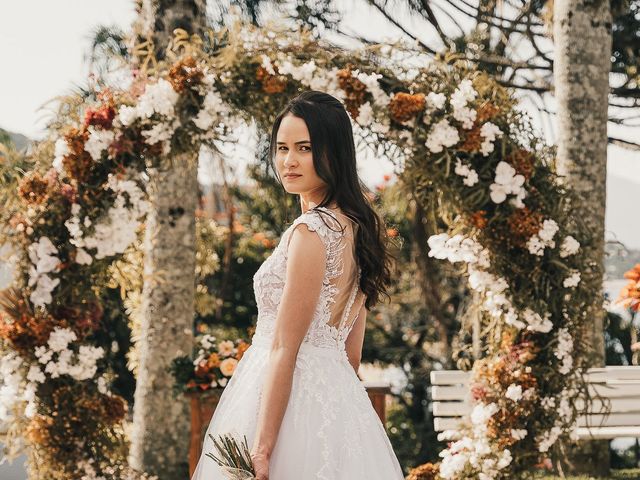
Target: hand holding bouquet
234, 459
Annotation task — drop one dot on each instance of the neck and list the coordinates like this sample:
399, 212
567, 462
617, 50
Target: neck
310, 201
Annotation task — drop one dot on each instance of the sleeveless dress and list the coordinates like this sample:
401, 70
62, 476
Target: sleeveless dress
330, 430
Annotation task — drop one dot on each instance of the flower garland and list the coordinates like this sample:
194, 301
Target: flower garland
444, 125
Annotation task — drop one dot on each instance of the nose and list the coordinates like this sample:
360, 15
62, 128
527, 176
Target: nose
289, 159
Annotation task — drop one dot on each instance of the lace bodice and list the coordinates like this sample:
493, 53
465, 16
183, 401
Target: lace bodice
335, 313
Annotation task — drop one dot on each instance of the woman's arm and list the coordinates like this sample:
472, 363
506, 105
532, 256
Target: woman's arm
354, 341
306, 260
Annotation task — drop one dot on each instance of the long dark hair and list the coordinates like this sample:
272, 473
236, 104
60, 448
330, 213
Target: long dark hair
334, 160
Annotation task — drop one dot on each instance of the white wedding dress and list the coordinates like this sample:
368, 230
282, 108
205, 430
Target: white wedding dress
330, 430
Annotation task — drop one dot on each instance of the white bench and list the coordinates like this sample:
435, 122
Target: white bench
620, 385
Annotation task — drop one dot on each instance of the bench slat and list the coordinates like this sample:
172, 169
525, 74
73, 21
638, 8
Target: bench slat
612, 420
618, 405
595, 422
594, 375
589, 433
608, 432
449, 392
609, 390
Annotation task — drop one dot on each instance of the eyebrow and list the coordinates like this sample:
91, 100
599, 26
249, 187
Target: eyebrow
297, 143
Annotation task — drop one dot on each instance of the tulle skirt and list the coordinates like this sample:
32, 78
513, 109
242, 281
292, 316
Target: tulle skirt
330, 429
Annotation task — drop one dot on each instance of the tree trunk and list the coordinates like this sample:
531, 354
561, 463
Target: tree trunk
582, 38
160, 434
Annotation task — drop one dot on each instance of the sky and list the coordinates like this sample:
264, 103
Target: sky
47, 59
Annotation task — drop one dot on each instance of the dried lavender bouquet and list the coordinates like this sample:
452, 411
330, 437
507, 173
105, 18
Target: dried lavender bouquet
233, 459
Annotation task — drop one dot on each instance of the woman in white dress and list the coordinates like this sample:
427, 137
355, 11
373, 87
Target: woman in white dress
295, 393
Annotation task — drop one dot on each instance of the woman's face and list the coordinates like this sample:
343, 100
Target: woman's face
294, 160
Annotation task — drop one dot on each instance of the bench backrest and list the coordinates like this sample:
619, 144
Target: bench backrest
619, 385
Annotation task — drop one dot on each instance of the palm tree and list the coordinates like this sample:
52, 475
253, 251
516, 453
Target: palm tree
582, 37
160, 436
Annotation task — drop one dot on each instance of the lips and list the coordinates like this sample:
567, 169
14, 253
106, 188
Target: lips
292, 175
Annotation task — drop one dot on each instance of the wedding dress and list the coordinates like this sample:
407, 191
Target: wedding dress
330, 430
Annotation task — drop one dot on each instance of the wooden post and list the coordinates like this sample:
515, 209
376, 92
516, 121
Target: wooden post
378, 395
204, 404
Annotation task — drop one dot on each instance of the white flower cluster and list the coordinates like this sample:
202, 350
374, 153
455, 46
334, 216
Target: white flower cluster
564, 350
380, 98
563, 420
159, 98
43, 257
98, 141
544, 238
161, 132
14, 391
114, 233
61, 150
459, 99
514, 392
489, 132
58, 359
436, 101
456, 249
267, 65
308, 74
507, 183
474, 451
212, 107
536, 323
570, 246
442, 134
365, 115
572, 280
469, 175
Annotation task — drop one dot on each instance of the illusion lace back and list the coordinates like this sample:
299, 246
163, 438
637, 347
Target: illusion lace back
335, 312
330, 430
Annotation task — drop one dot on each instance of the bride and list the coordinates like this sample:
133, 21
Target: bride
295, 394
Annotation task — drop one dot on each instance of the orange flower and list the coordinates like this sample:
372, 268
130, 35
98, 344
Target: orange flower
102, 116
486, 112
33, 188
228, 366
523, 223
184, 74
428, 471
630, 294
242, 347
201, 369
634, 273
270, 83
354, 89
523, 162
404, 106
472, 140
479, 219
213, 361
392, 232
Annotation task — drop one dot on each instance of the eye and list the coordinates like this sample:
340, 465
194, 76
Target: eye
281, 147
307, 147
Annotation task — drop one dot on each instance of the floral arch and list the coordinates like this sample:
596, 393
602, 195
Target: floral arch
448, 128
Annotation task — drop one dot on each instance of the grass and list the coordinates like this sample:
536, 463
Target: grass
628, 474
